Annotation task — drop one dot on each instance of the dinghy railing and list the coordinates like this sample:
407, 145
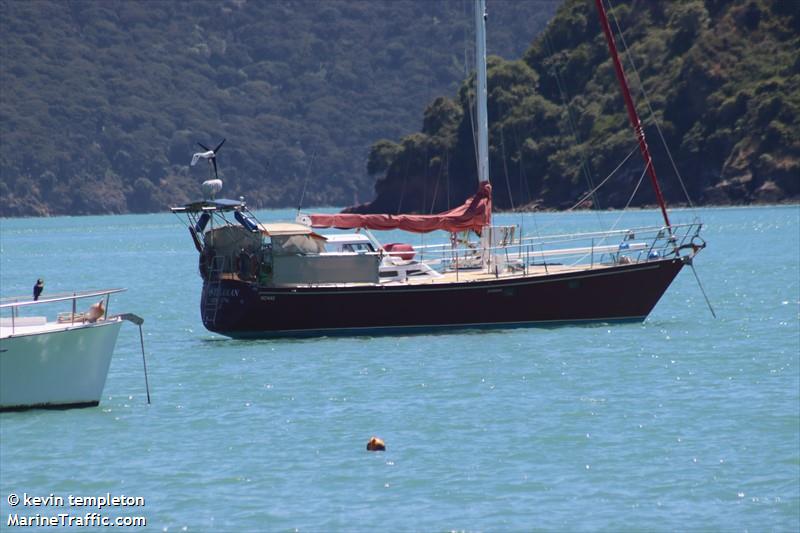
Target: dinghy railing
14, 304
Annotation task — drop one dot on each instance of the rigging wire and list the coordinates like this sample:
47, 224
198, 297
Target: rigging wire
436, 187
425, 180
629, 56
403, 190
447, 181
523, 181
471, 102
635, 190
524, 178
305, 182
622, 213
471, 105
574, 130
505, 167
587, 195
428, 92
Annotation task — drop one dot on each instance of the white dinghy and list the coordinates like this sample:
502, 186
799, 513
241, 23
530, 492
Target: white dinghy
57, 362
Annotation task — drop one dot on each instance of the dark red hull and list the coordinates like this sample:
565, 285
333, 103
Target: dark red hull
619, 293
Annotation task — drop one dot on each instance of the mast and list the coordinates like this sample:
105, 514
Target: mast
632, 115
481, 94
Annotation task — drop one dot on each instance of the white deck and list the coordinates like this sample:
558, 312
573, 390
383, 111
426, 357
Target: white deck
468, 276
34, 325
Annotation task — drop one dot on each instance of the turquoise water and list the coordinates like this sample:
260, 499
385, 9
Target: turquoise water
684, 422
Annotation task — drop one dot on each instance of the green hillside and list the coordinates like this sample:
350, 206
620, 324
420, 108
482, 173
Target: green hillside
101, 102
723, 80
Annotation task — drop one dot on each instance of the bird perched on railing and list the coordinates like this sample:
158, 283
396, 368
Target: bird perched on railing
37, 289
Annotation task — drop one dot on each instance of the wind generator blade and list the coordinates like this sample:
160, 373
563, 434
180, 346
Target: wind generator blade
214, 162
204, 147
219, 146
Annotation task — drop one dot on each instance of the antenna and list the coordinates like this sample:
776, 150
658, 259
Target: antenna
305, 183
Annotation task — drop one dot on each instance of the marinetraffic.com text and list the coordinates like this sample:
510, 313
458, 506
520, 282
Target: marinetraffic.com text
73, 510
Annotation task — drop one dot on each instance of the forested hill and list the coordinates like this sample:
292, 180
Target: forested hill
101, 102
723, 79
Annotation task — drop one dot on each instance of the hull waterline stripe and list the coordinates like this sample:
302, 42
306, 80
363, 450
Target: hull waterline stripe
425, 328
51, 406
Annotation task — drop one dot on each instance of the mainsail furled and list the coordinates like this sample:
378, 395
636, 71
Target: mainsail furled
473, 214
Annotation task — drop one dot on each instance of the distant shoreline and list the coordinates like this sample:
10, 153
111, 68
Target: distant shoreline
675, 207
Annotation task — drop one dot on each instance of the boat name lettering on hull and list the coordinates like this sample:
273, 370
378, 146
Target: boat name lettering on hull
229, 293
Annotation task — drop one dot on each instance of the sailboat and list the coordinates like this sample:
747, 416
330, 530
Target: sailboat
288, 279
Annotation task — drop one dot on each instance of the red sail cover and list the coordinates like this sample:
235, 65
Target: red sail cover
473, 214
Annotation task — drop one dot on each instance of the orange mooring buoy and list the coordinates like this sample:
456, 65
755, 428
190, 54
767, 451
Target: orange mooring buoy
376, 445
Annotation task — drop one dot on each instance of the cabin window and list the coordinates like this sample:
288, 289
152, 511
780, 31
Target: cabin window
357, 247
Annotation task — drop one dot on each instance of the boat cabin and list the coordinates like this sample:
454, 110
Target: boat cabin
281, 254
397, 260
